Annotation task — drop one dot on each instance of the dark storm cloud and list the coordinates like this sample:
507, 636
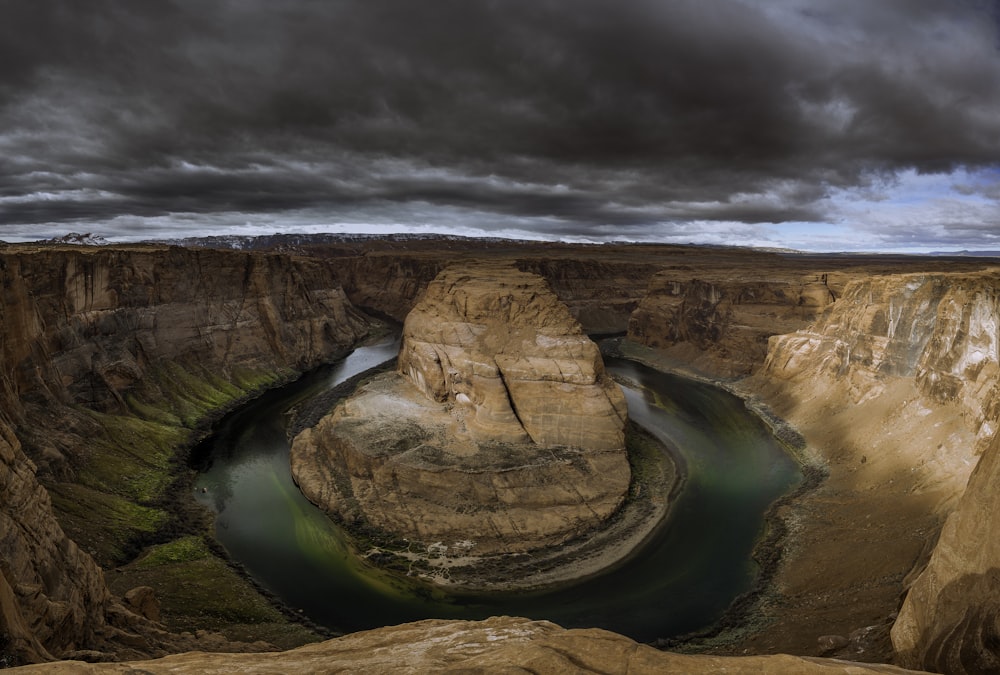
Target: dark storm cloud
586, 113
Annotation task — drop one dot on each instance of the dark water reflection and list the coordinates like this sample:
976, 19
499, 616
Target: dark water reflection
683, 579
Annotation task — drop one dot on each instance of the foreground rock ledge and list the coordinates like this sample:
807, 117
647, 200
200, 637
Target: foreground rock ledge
501, 432
498, 644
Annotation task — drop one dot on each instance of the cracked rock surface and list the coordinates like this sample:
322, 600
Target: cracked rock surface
500, 433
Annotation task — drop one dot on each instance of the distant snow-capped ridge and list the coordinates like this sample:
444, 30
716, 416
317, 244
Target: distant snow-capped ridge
273, 241
78, 239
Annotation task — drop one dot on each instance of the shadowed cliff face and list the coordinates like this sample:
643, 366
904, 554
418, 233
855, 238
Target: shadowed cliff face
99, 348
600, 294
722, 326
950, 620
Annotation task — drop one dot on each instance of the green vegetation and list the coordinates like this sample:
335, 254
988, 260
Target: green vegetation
200, 591
132, 457
102, 523
187, 398
122, 495
119, 496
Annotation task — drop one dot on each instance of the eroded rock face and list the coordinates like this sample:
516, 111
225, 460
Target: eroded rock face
39, 602
496, 343
950, 620
939, 331
500, 433
496, 645
723, 325
899, 378
88, 329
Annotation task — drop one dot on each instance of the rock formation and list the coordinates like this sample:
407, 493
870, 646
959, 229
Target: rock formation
936, 334
723, 325
117, 335
500, 433
499, 345
894, 382
950, 620
896, 387
496, 645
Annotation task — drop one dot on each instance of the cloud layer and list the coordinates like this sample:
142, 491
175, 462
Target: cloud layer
792, 122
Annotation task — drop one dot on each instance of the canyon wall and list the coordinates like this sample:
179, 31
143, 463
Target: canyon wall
936, 334
600, 293
722, 325
950, 620
101, 350
895, 385
111, 358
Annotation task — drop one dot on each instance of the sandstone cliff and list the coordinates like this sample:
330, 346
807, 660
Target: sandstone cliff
499, 345
950, 621
503, 434
937, 334
111, 358
496, 645
894, 385
722, 325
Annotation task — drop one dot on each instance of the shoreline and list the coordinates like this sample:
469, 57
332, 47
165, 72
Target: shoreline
771, 547
837, 554
644, 511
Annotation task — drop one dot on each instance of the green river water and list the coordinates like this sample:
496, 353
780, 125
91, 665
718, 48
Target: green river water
682, 579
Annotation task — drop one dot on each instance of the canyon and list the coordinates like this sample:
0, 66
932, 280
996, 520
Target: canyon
117, 359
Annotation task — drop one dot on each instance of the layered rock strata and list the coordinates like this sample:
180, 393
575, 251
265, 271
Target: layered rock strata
96, 344
722, 325
935, 333
501, 431
895, 385
496, 343
950, 620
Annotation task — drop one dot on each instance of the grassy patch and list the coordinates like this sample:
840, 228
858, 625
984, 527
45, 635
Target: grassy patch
101, 523
132, 457
185, 549
189, 396
118, 497
199, 591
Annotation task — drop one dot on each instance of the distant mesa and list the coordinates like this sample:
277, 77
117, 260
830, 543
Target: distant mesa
500, 432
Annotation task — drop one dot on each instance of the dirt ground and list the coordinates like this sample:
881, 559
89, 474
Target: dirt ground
856, 541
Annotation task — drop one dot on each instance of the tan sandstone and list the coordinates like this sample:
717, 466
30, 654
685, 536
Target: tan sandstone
500, 433
496, 645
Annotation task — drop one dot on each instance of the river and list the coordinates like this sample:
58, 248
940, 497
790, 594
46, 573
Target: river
681, 580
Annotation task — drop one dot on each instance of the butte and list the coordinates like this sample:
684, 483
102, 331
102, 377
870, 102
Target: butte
498, 433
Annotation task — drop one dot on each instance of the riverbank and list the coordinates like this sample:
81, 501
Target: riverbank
657, 477
650, 594
836, 556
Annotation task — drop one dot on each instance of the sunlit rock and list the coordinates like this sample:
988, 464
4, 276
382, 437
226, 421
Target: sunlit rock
500, 427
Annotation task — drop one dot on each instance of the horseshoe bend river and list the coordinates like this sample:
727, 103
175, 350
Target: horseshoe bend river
682, 579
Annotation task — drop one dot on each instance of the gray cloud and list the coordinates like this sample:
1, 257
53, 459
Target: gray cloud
583, 117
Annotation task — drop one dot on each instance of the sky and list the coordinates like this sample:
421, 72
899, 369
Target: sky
823, 125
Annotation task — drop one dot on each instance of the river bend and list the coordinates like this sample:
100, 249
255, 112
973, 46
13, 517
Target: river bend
682, 579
